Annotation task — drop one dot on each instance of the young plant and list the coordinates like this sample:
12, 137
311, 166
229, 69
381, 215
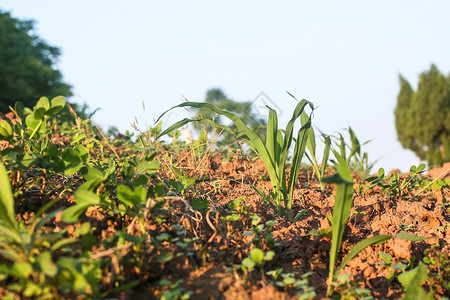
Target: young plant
175, 291
28, 251
311, 144
260, 232
273, 153
341, 210
257, 258
412, 283
394, 268
358, 161
395, 185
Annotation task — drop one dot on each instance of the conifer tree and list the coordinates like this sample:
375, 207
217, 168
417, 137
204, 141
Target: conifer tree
422, 117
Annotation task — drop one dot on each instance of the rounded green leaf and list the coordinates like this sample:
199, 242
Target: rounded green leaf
6, 130
56, 105
269, 255
257, 255
46, 264
42, 103
248, 263
22, 269
289, 280
141, 180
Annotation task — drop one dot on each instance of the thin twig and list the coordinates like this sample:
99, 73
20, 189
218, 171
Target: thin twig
106, 140
109, 251
442, 174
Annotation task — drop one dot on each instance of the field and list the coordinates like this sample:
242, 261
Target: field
83, 215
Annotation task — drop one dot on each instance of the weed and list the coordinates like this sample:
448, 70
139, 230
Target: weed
394, 268
349, 289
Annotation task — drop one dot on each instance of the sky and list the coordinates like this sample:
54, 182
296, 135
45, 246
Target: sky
344, 56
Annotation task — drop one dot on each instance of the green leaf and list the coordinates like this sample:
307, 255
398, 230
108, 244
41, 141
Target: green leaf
42, 103
126, 195
77, 139
269, 255
72, 160
6, 130
411, 237
61, 243
272, 145
164, 257
248, 263
83, 153
83, 199
46, 264
52, 151
386, 257
141, 180
22, 269
341, 210
148, 166
359, 247
92, 173
412, 282
288, 280
56, 105
7, 213
299, 151
257, 255
34, 121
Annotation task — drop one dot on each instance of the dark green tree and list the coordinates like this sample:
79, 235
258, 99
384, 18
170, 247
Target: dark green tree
422, 117
27, 65
243, 109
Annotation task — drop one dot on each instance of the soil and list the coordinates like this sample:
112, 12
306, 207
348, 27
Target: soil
300, 248
212, 271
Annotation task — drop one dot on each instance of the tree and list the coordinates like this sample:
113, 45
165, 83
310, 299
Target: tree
242, 109
422, 117
27, 65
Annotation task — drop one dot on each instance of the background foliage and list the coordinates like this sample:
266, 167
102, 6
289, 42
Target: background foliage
242, 109
422, 117
27, 65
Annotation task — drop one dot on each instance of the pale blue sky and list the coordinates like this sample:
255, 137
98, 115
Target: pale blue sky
342, 55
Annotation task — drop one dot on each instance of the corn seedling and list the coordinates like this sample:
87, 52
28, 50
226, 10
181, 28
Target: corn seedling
274, 153
311, 145
357, 160
341, 210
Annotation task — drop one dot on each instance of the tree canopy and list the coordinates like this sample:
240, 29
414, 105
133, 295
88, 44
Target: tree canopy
422, 117
27, 65
243, 109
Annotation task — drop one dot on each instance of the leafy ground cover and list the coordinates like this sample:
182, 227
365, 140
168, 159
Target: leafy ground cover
86, 216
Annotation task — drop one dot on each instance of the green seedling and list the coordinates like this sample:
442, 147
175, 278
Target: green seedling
341, 210
412, 282
438, 264
175, 291
261, 232
29, 250
311, 145
394, 268
273, 153
288, 281
395, 185
356, 161
257, 258
349, 289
